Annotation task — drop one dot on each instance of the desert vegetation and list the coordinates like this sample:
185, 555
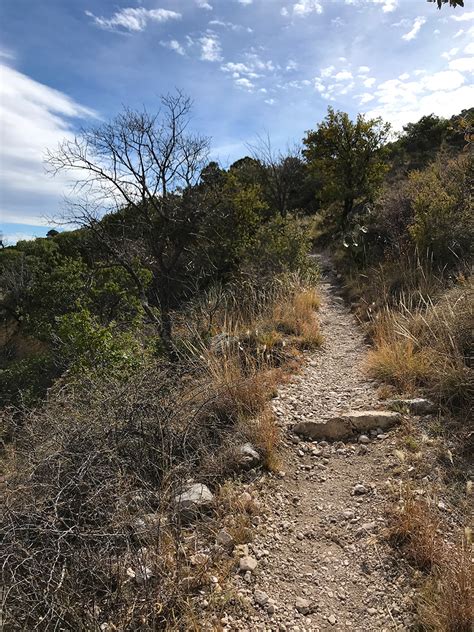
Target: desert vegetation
141, 348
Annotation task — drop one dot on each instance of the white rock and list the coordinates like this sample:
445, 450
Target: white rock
247, 564
364, 439
302, 605
195, 499
359, 490
248, 456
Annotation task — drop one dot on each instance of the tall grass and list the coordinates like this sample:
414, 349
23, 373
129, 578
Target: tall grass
427, 343
445, 602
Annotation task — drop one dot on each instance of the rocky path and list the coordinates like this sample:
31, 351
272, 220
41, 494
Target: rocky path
321, 563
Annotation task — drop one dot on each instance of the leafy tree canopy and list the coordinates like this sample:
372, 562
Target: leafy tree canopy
347, 156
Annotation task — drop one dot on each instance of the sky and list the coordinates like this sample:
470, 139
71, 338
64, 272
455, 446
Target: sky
251, 67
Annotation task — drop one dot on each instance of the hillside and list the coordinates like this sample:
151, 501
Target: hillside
241, 398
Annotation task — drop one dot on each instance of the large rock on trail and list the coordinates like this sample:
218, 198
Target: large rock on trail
332, 429
361, 420
345, 425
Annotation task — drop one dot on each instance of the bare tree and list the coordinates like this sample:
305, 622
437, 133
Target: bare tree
133, 177
280, 173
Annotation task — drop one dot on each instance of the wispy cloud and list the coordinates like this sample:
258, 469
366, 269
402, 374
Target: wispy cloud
173, 45
231, 26
203, 4
387, 5
211, 49
133, 19
413, 32
34, 117
466, 16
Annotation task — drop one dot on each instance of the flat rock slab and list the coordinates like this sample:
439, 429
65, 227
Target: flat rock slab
333, 430
346, 425
371, 419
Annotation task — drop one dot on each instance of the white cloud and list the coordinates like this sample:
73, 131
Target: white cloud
343, 75
270, 101
245, 2
33, 117
364, 70
303, 8
244, 73
443, 80
463, 64
417, 24
328, 71
458, 33
401, 102
6, 54
469, 49
291, 65
369, 82
365, 98
174, 45
245, 83
10, 239
203, 4
387, 5
404, 76
133, 19
231, 26
210, 47
465, 16
450, 53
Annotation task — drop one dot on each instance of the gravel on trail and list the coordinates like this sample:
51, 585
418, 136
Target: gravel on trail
321, 562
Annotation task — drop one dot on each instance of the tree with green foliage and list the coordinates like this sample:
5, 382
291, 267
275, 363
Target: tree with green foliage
347, 157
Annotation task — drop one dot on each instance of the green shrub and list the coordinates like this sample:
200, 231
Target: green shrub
279, 245
85, 345
443, 223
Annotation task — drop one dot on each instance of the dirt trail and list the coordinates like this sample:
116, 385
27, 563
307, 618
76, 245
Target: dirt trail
322, 564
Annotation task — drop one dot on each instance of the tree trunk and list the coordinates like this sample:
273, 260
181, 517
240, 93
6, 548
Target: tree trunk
348, 206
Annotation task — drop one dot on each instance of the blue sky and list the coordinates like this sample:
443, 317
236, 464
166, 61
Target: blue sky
251, 66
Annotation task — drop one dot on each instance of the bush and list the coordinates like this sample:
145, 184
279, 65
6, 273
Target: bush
85, 345
279, 245
443, 223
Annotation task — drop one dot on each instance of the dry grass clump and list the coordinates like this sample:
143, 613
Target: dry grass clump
264, 434
428, 345
446, 601
296, 317
415, 530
